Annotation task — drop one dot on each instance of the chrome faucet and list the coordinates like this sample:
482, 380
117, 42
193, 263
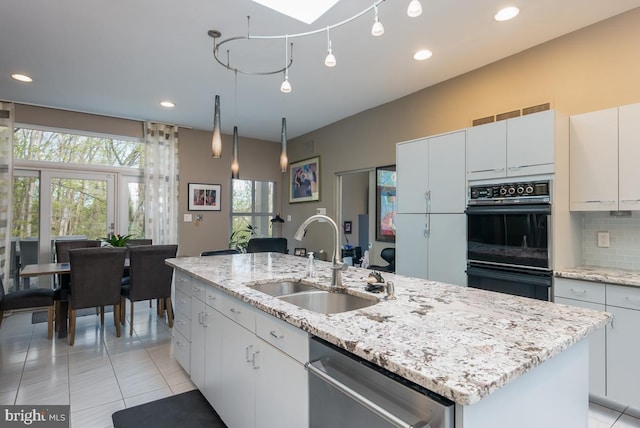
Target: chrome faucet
337, 264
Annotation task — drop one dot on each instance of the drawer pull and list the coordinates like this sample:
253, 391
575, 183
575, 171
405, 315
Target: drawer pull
179, 343
276, 335
632, 300
234, 311
210, 297
181, 301
575, 291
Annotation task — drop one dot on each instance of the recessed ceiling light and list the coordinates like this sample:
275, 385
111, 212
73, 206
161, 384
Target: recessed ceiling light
306, 11
423, 54
167, 104
22, 77
507, 13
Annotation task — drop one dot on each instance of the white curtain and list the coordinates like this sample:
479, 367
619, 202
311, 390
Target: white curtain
161, 183
6, 161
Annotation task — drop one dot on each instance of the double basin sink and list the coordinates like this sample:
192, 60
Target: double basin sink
309, 297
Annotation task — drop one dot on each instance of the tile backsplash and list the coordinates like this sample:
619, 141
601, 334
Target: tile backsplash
624, 246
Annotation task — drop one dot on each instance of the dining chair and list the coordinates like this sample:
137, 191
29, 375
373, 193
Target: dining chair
28, 256
263, 245
149, 278
219, 252
30, 298
95, 282
62, 256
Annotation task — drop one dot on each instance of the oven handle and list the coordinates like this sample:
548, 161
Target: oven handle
508, 209
507, 275
384, 414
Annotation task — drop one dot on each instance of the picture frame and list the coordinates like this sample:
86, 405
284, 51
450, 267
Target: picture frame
304, 180
386, 205
302, 252
347, 227
204, 197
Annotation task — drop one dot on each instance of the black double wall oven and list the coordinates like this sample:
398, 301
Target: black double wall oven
508, 234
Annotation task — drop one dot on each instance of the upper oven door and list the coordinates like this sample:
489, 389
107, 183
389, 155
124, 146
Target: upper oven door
514, 235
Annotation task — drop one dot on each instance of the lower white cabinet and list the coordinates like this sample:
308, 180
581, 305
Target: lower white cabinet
614, 353
182, 321
249, 381
432, 246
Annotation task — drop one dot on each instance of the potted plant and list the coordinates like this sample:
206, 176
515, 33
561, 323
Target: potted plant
240, 238
116, 240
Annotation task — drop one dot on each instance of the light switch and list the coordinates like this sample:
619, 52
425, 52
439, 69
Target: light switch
603, 239
322, 211
288, 218
188, 218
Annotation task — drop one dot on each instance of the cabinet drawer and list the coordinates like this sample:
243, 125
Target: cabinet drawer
586, 291
183, 304
199, 290
623, 297
213, 297
183, 324
238, 311
283, 336
182, 350
183, 283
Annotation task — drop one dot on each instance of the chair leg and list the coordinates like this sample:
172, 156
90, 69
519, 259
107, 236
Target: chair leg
169, 311
131, 321
72, 326
123, 310
116, 319
57, 319
50, 322
1, 314
102, 315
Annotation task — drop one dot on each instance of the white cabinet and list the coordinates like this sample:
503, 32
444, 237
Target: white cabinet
510, 148
432, 246
182, 321
431, 174
604, 147
249, 365
588, 295
623, 345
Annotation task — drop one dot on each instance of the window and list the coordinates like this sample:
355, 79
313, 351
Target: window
252, 207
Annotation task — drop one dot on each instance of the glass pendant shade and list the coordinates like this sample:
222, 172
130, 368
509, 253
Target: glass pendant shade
284, 160
216, 141
235, 165
415, 9
330, 60
286, 86
377, 29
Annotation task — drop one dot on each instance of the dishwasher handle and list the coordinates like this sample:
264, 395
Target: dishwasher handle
354, 395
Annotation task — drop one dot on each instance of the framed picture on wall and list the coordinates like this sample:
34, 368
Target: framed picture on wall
204, 197
304, 180
386, 207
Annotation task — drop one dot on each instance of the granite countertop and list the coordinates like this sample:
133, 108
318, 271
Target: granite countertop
601, 274
459, 342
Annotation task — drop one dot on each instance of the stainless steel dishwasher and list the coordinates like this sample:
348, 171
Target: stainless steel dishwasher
348, 392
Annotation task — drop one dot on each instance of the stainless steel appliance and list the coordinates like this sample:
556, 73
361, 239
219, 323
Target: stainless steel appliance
348, 392
508, 234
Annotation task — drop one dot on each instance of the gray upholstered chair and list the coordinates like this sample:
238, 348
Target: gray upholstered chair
263, 245
149, 278
24, 299
95, 282
134, 242
219, 252
28, 256
388, 255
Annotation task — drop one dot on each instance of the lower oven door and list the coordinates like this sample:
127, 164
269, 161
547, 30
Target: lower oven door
520, 282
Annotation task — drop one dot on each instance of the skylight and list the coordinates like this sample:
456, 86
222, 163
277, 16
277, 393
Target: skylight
306, 11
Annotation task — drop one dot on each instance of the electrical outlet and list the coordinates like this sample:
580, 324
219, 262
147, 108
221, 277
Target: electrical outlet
603, 239
188, 218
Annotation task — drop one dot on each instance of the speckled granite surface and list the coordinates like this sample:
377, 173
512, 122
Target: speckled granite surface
459, 342
601, 274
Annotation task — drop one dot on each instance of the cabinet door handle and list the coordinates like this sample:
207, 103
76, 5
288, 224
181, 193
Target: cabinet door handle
276, 335
256, 361
204, 319
599, 202
247, 349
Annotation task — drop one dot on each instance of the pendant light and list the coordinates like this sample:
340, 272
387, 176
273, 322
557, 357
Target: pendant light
235, 165
284, 160
286, 86
216, 141
330, 60
415, 9
377, 29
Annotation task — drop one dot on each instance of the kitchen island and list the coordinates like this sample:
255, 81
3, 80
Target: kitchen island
504, 360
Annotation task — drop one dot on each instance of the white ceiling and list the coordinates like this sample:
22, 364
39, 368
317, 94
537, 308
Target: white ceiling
122, 57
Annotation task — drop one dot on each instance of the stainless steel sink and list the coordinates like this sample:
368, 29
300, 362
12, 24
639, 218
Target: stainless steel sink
282, 288
325, 302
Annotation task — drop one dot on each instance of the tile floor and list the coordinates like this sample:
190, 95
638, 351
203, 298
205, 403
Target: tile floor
102, 373
99, 375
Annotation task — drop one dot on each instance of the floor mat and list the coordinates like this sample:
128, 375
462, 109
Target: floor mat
41, 316
187, 409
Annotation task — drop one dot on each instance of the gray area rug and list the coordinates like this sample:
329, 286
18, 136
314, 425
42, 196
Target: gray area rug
41, 316
189, 409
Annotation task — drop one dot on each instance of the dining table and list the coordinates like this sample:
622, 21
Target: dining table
43, 269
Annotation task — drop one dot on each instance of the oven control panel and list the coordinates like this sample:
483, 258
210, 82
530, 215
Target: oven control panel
519, 192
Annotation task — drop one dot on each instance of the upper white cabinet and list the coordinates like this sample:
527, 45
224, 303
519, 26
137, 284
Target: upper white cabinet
604, 147
431, 174
513, 147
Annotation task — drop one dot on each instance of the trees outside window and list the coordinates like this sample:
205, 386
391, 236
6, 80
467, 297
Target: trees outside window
252, 207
